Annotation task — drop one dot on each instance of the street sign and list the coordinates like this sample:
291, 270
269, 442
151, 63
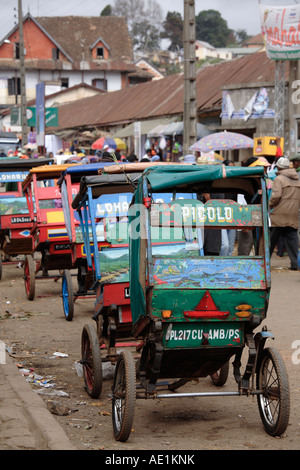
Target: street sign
15, 116
51, 117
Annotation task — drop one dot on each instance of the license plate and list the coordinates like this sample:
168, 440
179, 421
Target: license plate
194, 335
20, 220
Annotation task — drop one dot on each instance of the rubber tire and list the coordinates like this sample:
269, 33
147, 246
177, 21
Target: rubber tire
29, 277
67, 295
123, 407
220, 377
91, 361
272, 358
0, 267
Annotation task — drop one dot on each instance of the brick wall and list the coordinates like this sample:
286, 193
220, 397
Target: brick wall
37, 44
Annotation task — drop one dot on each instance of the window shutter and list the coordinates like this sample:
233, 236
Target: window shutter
55, 53
11, 86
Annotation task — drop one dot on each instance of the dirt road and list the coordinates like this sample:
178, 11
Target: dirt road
35, 330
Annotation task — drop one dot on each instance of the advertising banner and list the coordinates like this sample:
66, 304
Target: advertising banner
280, 27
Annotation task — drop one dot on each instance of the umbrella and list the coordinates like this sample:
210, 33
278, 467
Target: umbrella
222, 141
113, 143
100, 143
121, 145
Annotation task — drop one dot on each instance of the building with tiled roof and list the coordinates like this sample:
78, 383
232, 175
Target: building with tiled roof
162, 101
224, 92
254, 41
65, 51
144, 65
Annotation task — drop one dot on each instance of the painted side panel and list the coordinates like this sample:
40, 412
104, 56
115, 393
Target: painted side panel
209, 273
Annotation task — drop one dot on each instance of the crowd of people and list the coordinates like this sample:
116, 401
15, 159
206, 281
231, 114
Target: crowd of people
283, 182
20, 152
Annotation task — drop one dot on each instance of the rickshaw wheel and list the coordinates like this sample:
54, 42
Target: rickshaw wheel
0, 267
220, 377
274, 402
123, 396
91, 361
67, 295
29, 277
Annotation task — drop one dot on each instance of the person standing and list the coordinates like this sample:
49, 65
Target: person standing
284, 209
245, 236
228, 236
148, 155
295, 159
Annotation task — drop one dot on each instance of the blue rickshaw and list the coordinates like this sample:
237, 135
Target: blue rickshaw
102, 204
69, 184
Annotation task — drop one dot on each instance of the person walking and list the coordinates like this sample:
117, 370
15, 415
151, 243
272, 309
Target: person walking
284, 209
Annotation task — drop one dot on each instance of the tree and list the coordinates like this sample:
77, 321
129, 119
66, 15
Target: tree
132, 10
241, 35
145, 36
143, 20
212, 28
107, 11
173, 30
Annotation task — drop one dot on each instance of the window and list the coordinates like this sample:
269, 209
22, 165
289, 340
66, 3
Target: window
100, 83
100, 52
14, 86
55, 53
17, 50
65, 83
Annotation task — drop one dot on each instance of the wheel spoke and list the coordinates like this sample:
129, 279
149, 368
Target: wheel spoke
123, 396
67, 295
29, 277
273, 401
91, 361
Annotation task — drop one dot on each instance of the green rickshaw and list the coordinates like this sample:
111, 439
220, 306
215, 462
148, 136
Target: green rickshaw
193, 310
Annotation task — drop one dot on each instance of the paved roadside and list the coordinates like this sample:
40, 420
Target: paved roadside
25, 422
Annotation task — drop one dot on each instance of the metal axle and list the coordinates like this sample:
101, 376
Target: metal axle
203, 394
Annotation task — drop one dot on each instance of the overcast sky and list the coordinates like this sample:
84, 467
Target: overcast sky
239, 14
